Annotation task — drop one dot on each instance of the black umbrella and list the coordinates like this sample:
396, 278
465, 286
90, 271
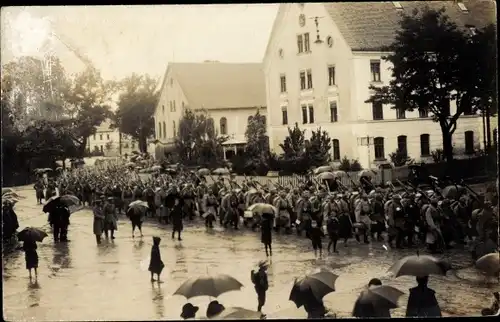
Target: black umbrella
313, 286
31, 234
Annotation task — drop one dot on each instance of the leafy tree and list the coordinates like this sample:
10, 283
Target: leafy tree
136, 108
294, 145
197, 142
109, 145
400, 158
350, 165
318, 149
257, 147
431, 62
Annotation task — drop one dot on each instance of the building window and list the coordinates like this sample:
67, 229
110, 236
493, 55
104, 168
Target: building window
423, 113
378, 144
302, 80
174, 129
174, 106
170, 105
306, 42
304, 114
446, 108
425, 149
300, 44
402, 144
171, 82
163, 108
400, 114
378, 111
94, 137
336, 149
164, 129
311, 114
102, 148
284, 115
283, 83
223, 126
309, 79
469, 142
158, 132
331, 75
100, 137
107, 136
375, 70
333, 112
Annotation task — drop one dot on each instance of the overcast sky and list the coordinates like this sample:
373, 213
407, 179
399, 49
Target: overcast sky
120, 40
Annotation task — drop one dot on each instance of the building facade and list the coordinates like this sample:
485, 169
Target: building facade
229, 93
320, 61
107, 140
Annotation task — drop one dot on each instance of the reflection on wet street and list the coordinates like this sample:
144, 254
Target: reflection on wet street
84, 281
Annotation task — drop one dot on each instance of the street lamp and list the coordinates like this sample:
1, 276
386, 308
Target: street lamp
366, 141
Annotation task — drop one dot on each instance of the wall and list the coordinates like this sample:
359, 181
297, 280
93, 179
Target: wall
170, 92
237, 120
321, 55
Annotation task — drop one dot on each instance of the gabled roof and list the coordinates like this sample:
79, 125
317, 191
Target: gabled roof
370, 26
212, 85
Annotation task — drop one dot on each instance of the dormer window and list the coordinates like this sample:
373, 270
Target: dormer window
462, 6
397, 5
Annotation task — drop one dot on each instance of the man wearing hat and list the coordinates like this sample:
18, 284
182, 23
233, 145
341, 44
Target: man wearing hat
189, 311
260, 282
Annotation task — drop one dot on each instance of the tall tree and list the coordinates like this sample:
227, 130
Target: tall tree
197, 142
428, 58
88, 98
294, 144
136, 108
319, 148
257, 146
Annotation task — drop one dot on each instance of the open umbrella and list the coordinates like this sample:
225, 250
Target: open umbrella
326, 176
383, 296
221, 171
212, 286
31, 234
7, 190
489, 263
156, 168
263, 208
130, 164
419, 265
203, 172
322, 169
452, 192
366, 173
339, 173
238, 313
70, 201
138, 203
317, 285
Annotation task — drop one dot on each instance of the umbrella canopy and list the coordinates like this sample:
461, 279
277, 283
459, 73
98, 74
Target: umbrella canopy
7, 190
130, 164
156, 168
326, 176
263, 208
339, 173
383, 296
317, 285
138, 203
452, 192
11, 195
366, 173
31, 234
238, 313
489, 263
70, 201
419, 265
203, 172
221, 171
322, 169
212, 286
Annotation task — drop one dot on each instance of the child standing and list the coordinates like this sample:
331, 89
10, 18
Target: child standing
31, 256
316, 233
155, 263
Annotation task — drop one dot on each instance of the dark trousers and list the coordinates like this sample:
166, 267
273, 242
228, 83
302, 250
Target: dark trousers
261, 298
56, 230
63, 234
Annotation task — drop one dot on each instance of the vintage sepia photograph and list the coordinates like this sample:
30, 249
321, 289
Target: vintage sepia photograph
250, 161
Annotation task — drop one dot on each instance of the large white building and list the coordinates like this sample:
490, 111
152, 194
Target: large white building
107, 140
325, 83
229, 92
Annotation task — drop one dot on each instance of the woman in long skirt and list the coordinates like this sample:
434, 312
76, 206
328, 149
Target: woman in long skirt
31, 256
98, 220
155, 263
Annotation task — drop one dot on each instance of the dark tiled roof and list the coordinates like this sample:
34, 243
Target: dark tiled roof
221, 85
372, 25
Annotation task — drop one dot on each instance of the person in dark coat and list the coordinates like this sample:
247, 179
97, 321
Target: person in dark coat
59, 220
31, 256
176, 215
261, 284
155, 263
136, 219
333, 227
266, 234
422, 301
316, 234
189, 311
9, 223
214, 308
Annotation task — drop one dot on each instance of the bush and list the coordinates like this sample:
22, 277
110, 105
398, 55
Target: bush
243, 165
400, 158
437, 155
350, 165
